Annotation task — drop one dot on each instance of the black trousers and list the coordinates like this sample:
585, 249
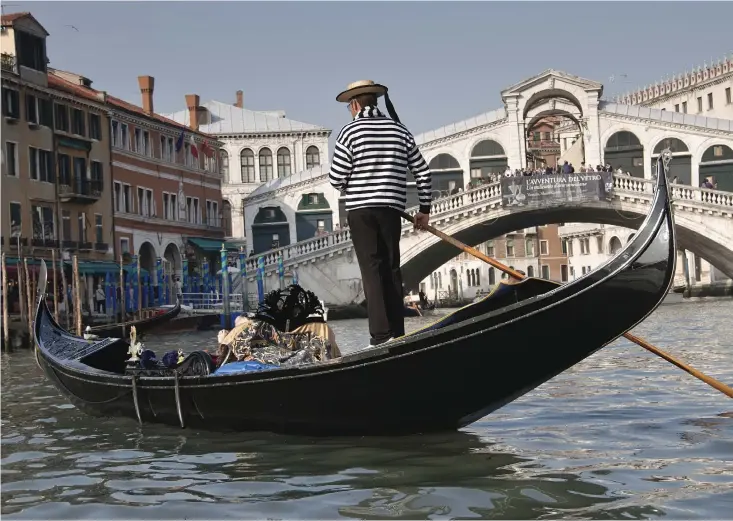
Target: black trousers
375, 234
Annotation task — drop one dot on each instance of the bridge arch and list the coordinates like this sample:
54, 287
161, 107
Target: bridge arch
717, 161
487, 156
313, 216
427, 253
681, 166
446, 172
270, 229
546, 94
623, 149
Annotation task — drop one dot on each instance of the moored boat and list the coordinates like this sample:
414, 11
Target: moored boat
144, 325
442, 377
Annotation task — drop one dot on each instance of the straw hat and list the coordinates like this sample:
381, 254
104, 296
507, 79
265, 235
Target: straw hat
361, 87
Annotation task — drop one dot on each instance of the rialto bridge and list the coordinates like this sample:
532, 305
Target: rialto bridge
703, 218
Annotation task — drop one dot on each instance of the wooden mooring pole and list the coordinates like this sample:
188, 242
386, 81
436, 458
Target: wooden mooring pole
6, 332
77, 299
28, 297
55, 287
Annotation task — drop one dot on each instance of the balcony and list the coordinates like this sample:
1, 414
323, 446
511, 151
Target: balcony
69, 245
543, 145
101, 247
37, 242
80, 190
85, 246
8, 63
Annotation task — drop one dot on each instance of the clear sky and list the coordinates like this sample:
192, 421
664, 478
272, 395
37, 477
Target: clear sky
443, 61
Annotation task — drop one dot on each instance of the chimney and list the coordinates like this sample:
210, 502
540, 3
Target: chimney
147, 84
240, 99
192, 102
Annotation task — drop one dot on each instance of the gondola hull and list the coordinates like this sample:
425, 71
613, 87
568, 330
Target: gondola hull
145, 325
445, 377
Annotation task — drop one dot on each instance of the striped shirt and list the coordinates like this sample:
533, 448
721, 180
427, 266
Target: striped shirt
370, 163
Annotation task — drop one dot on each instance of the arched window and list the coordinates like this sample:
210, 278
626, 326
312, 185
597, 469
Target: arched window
529, 248
492, 276
312, 157
530, 271
468, 278
265, 165
247, 158
283, 162
224, 164
440, 280
478, 276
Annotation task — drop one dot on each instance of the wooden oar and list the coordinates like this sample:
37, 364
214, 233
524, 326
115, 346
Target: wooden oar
643, 343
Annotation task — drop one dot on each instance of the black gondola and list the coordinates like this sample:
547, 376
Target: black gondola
443, 377
144, 325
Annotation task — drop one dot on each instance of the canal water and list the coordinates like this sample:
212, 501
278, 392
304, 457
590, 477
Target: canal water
622, 435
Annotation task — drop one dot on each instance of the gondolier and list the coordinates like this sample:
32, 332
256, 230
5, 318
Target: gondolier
369, 167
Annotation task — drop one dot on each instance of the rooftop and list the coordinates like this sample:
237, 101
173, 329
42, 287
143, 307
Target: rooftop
89, 93
225, 118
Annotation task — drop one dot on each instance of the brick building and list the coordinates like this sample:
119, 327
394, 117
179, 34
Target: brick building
166, 191
56, 165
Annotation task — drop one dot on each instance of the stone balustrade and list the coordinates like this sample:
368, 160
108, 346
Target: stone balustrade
445, 207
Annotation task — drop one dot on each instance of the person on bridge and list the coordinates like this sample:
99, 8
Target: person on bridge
369, 168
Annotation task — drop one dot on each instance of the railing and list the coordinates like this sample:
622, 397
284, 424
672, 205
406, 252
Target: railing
211, 303
467, 201
80, 186
7, 62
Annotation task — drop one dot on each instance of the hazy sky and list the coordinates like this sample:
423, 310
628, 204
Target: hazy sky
443, 62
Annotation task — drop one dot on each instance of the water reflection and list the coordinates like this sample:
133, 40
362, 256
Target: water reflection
623, 434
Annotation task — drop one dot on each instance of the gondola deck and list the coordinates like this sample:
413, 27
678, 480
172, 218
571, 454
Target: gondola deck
442, 377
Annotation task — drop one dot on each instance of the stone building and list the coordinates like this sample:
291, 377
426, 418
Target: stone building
258, 148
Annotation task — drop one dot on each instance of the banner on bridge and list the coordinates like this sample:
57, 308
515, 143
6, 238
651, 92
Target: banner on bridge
556, 189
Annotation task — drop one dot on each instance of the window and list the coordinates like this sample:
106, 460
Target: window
16, 219
490, 248
699, 104
313, 156
99, 228
124, 141
32, 51
536, 137
125, 245
65, 225
684, 107
95, 126
212, 213
174, 207
166, 206
492, 276
582, 270
530, 271
599, 244
546, 136
43, 222
585, 246
510, 247
115, 137
61, 119
710, 101
529, 248
321, 225
283, 162
163, 148
82, 228
146, 143
189, 209
171, 151
145, 202
565, 246
265, 165
97, 176
11, 158
677, 107
80, 171
127, 198
718, 151
224, 163
40, 164
31, 109
544, 249
45, 112
139, 146
727, 96
563, 272
11, 103
77, 122
545, 272
196, 211
247, 158
118, 196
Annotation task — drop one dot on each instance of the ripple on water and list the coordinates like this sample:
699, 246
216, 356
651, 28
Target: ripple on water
621, 435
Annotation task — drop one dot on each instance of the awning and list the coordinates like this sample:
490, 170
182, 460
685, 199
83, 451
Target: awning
212, 244
102, 267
